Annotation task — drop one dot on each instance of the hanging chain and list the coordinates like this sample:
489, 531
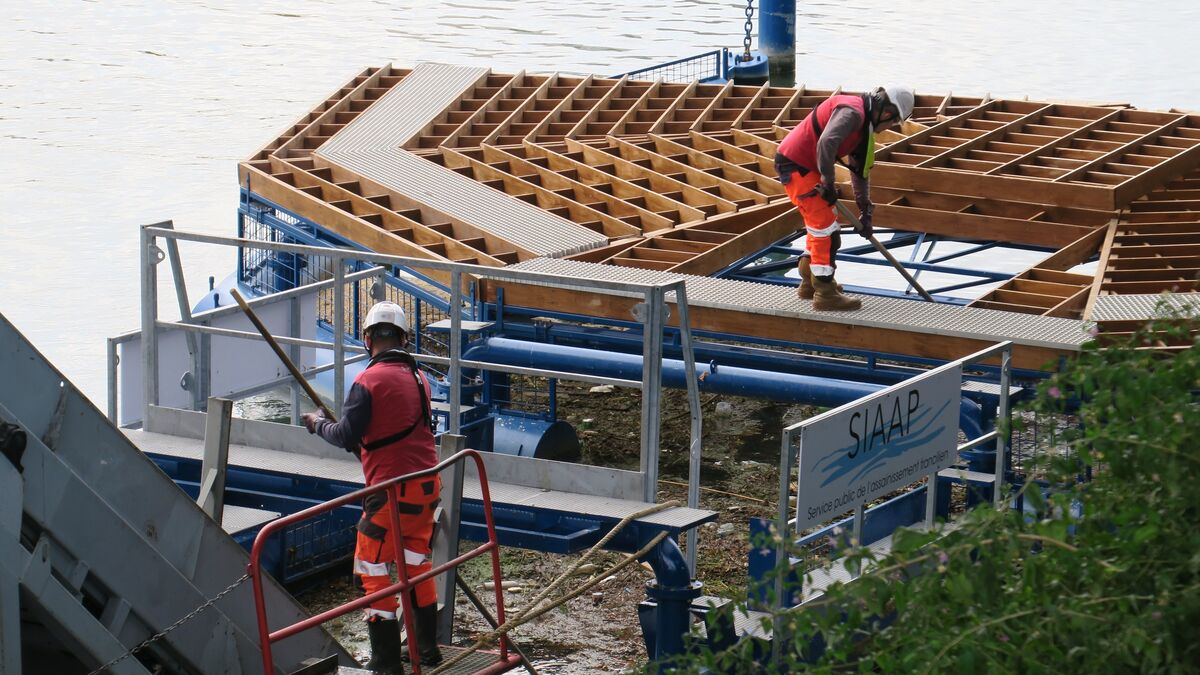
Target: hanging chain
749, 27
168, 629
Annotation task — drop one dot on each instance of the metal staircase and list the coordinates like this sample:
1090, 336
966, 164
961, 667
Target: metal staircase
102, 555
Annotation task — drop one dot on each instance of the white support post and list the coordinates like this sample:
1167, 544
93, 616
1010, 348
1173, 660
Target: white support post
150, 255
216, 458
1003, 439
339, 335
294, 354
455, 371
652, 330
931, 500
860, 516
445, 542
697, 422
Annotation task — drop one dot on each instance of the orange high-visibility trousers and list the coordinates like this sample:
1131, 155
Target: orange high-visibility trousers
820, 220
374, 551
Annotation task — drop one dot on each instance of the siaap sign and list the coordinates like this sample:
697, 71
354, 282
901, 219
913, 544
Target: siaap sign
877, 444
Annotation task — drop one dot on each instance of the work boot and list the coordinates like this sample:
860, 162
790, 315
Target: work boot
829, 298
805, 290
385, 647
425, 620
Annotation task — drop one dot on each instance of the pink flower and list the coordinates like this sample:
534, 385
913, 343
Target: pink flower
1053, 392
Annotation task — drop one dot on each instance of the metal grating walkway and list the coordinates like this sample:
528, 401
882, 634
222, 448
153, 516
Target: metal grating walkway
370, 147
349, 470
878, 312
406, 109
1143, 307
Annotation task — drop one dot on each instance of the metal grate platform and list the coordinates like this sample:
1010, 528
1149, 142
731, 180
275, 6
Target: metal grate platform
405, 110
240, 518
1142, 307
879, 312
349, 470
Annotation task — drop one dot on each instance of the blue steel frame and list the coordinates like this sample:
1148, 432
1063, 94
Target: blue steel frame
749, 269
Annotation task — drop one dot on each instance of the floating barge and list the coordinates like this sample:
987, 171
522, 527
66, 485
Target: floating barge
620, 178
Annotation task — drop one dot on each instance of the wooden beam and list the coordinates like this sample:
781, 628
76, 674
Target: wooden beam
776, 222
496, 246
977, 226
583, 193
627, 170
1105, 251
592, 113
696, 176
655, 200
1006, 188
515, 186
764, 184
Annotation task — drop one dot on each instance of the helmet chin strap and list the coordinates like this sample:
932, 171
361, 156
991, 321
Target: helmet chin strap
875, 101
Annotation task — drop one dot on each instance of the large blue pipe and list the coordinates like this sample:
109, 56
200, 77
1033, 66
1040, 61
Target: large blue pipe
777, 39
783, 387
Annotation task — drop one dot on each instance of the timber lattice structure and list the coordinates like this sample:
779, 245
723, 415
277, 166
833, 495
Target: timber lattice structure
611, 177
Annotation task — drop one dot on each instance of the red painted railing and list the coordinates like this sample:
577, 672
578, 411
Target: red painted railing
391, 487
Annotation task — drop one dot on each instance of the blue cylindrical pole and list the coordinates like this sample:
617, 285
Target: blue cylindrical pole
777, 39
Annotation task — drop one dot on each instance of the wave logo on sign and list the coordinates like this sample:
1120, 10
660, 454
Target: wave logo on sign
920, 430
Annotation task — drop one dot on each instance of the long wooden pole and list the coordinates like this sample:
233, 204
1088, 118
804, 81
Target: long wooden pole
312, 394
858, 228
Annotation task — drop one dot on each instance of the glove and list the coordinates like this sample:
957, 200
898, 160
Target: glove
828, 192
312, 420
865, 219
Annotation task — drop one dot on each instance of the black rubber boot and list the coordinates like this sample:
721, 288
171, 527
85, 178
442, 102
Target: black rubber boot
425, 620
385, 647
425, 624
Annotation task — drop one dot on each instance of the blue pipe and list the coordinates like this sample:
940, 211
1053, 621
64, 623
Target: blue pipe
777, 39
673, 590
784, 387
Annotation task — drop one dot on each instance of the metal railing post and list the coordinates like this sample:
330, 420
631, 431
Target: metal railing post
294, 355
787, 459
697, 421
111, 360
445, 544
195, 387
652, 329
339, 336
455, 371
149, 258
1003, 417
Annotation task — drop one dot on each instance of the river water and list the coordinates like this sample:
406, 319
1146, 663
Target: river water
115, 113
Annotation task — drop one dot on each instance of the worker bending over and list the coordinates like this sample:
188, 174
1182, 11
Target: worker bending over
388, 421
844, 125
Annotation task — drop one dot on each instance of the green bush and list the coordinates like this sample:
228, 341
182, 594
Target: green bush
1105, 578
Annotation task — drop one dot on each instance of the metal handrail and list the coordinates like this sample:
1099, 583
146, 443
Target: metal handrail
391, 487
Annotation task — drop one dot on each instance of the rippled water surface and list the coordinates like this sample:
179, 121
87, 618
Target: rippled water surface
115, 114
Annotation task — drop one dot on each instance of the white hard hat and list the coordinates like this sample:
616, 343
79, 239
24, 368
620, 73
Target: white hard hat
902, 98
387, 313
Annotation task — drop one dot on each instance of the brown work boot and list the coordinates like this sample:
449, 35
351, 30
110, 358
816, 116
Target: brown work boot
828, 297
805, 290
